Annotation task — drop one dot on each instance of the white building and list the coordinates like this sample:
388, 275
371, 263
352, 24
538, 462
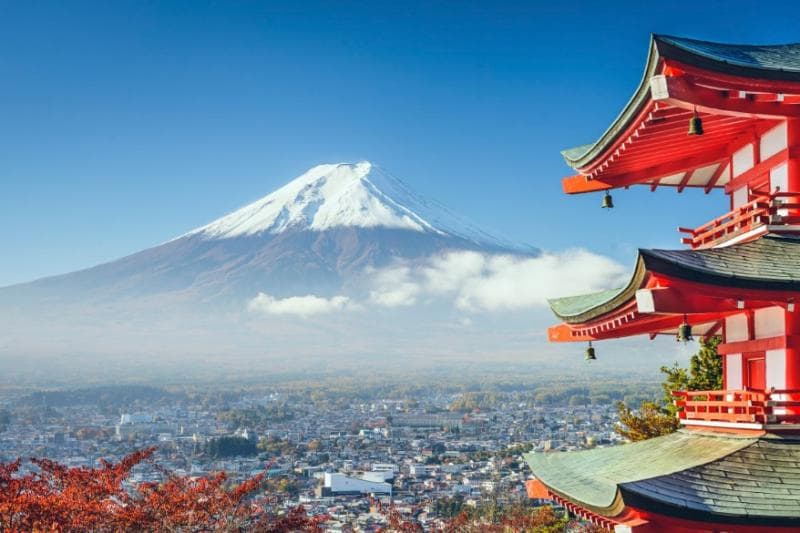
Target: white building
336, 484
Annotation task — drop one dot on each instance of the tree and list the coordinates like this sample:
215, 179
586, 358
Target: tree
650, 420
230, 447
653, 419
705, 367
516, 518
58, 498
275, 446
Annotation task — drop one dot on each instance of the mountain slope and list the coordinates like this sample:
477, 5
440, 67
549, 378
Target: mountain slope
314, 234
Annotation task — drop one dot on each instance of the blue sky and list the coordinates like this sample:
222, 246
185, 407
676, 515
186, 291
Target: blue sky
127, 123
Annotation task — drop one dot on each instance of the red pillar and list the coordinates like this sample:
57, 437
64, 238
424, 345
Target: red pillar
793, 348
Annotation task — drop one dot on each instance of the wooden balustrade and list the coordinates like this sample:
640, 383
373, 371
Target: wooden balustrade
770, 407
764, 209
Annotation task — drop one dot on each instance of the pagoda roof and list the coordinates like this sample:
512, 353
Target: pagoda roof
770, 263
778, 61
716, 80
573, 307
700, 476
592, 477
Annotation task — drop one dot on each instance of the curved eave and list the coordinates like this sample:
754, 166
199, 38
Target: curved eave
616, 299
768, 265
640, 98
592, 479
666, 508
653, 260
682, 51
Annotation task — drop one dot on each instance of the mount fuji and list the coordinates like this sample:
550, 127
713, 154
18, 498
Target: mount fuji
312, 235
343, 265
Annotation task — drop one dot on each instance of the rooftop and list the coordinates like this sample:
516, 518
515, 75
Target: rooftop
734, 88
703, 476
771, 262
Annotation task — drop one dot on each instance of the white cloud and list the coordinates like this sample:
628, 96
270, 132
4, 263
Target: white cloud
483, 282
394, 287
302, 306
470, 281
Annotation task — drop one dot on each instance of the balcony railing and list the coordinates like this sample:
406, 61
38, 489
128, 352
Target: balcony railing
758, 409
765, 209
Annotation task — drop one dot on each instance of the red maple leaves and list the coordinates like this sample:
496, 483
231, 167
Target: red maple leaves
59, 498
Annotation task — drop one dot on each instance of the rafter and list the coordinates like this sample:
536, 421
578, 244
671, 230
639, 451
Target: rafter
685, 180
712, 182
580, 183
679, 91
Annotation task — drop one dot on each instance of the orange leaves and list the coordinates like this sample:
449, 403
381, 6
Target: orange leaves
57, 498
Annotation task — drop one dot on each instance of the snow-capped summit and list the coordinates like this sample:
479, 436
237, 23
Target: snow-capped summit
357, 195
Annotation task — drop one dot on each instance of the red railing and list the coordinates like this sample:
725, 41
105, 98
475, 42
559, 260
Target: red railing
739, 406
765, 208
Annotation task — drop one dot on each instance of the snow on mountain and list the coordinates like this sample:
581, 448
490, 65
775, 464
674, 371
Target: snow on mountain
359, 195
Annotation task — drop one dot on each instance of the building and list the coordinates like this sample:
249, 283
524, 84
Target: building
709, 116
336, 484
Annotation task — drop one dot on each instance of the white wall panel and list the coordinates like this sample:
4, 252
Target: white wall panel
733, 371
769, 322
776, 368
779, 179
736, 328
773, 141
743, 159
740, 197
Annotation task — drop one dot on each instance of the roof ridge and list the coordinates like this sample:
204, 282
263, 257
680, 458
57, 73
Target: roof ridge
677, 39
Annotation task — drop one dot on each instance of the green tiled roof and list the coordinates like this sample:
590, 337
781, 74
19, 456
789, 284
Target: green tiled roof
760, 482
577, 152
573, 306
769, 263
592, 477
781, 57
780, 62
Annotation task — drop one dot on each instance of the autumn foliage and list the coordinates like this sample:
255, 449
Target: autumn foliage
56, 498
516, 520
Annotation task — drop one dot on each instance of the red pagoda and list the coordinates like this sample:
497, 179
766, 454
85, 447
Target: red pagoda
706, 115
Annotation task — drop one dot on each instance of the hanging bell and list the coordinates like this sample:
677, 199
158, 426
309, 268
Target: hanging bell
608, 202
590, 356
695, 124
684, 331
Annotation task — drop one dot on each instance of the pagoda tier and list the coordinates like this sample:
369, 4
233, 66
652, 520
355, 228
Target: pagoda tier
748, 100
745, 293
705, 287
680, 482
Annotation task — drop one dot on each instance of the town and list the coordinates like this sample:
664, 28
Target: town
424, 451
